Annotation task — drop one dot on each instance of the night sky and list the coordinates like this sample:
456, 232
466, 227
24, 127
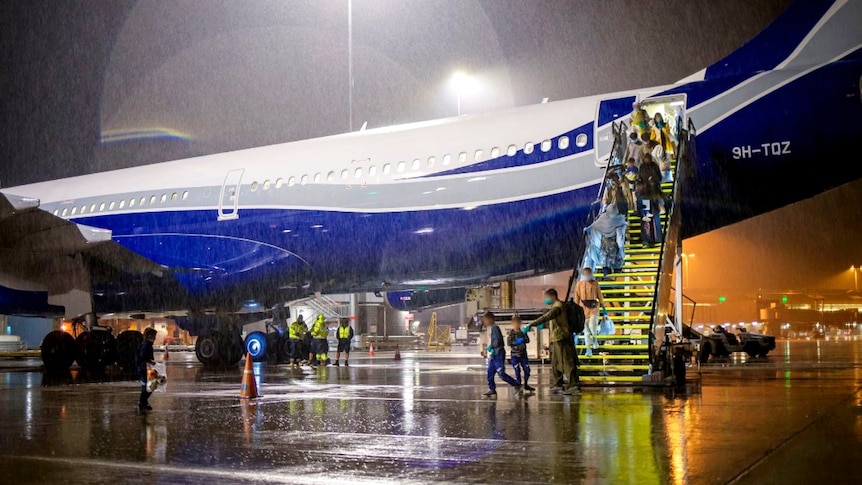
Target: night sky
201, 77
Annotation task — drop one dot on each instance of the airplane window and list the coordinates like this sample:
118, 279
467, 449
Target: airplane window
416, 164
495, 152
186, 193
512, 150
152, 200
479, 154
431, 161
101, 207
83, 209
267, 184
163, 198
131, 202
279, 183
122, 203
386, 169
462, 157
303, 180
330, 176
143, 201
546, 146
581, 140
254, 186
528, 148
65, 211
401, 166
563, 143
344, 174
112, 205
317, 178
174, 196
372, 170
92, 208
447, 159
358, 172
74, 210
291, 181
56, 212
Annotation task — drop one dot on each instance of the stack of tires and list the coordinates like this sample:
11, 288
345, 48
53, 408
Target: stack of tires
94, 350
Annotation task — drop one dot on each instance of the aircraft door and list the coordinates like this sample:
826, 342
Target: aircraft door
609, 111
228, 201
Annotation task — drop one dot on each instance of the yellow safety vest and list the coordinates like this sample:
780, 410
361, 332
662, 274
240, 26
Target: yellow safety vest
343, 332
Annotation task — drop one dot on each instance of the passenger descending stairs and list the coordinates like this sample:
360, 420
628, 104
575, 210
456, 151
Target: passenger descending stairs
630, 296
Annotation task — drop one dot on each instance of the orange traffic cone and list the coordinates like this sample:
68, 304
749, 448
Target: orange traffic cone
249, 385
397, 352
371, 349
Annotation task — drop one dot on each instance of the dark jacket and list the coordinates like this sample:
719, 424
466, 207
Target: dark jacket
497, 345
650, 175
144, 357
518, 349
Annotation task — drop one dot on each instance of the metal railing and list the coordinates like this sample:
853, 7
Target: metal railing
662, 304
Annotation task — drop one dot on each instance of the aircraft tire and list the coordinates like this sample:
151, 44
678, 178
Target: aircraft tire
208, 350
752, 349
58, 351
96, 350
127, 349
231, 348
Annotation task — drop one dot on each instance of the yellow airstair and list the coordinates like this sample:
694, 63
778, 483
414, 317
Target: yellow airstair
637, 297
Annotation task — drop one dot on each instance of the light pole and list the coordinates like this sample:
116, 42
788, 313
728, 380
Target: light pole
463, 84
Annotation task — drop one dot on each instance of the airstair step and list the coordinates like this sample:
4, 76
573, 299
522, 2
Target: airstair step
587, 379
627, 299
620, 283
618, 348
642, 336
630, 319
629, 309
645, 272
611, 368
652, 250
627, 291
639, 257
643, 356
631, 326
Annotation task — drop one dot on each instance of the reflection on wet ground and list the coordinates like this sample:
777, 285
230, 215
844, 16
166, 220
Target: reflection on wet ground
791, 418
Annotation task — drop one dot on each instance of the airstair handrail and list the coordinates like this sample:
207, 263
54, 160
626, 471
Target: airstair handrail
662, 304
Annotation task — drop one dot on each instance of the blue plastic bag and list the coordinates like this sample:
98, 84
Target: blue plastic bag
606, 327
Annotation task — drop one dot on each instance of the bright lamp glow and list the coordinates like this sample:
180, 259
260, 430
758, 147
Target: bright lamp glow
464, 83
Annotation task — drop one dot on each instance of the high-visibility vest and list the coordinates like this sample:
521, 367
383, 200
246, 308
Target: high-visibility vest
343, 332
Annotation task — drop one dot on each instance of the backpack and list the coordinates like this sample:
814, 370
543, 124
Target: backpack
574, 316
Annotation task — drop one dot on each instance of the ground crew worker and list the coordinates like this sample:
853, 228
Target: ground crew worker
296, 334
563, 356
344, 333
144, 359
517, 341
319, 332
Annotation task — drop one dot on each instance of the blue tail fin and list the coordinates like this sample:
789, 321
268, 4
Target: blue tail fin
809, 32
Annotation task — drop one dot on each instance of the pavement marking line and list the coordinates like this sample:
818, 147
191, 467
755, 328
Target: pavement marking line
771, 451
281, 475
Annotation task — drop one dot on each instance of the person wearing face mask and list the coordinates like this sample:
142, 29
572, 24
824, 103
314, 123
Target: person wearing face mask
589, 296
564, 360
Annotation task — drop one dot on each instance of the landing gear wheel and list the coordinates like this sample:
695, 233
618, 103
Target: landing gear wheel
127, 349
256, 345
58, 351
207, 350
705, 350
97, 349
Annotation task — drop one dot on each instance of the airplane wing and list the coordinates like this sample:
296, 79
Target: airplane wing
42, 252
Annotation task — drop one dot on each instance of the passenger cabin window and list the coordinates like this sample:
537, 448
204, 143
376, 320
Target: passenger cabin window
92, 208
123, 204
545, 146
74, 210
512, 150
163, 198
416, 164
563, 143
479, 155
254, 186
141, 202
175, 196
131, 203
291, 181
56, 212
447, 159
344, 174
101, 208
462, 157
266, 186
402, 166
303, 180
185, 195
528, 148
317, 178
330, 177
372, 170
581, 140
152, 200
279, 183
65, 211
83, 209
495, 152
358, 172
386, 169
431, 161
111, 205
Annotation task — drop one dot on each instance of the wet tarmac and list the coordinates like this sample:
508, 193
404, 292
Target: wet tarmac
795, 417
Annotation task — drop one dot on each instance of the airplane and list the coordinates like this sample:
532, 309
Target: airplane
449, 203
